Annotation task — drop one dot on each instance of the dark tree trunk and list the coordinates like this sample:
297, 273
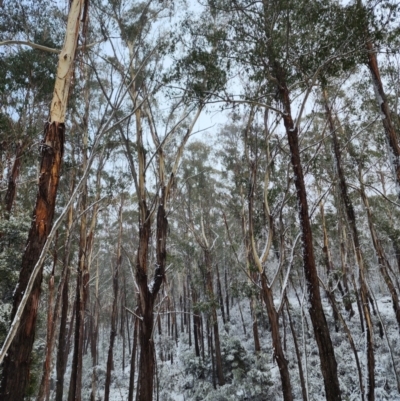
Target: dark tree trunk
17, 361
219, 293
195, 325
147, 296
210, 290
44, 388
62, 355
257, 345
227, 294
276, 340
321, 330
114, 312
82, 292
133, 358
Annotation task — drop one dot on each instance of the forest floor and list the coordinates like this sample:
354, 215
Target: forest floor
256, 377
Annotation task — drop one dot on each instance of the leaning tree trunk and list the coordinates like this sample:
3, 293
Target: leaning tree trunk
318, 319
16, 363
391, 135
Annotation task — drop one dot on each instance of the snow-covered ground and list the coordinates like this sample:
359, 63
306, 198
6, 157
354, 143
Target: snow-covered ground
256, 377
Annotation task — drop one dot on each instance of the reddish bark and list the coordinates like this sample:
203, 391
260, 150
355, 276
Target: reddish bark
16, 363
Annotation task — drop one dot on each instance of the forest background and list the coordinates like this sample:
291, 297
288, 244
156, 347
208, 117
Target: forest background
147, 252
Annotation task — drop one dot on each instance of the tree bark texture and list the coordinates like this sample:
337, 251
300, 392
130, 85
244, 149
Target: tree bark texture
16, 363
147, 296
318, 319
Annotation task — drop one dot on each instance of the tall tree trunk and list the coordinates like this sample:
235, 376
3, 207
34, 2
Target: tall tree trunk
382, 259
62, 355
219, 292
351, 218
82, 285
133, 358
44, 388
267, 293
95, 336
195, 325
227, 293
62, 302
298, 355
318, 319
343, 258
328, 263
257, 345
17, 361
147, 296
214, 319
113, 332
391, 135
75, 385
276, 340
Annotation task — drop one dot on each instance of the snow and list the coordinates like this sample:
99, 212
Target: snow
250, 376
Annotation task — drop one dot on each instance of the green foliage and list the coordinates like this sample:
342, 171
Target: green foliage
14, 233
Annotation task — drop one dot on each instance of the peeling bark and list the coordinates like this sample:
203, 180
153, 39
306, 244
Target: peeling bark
16, 363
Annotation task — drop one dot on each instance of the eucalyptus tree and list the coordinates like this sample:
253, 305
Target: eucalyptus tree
277, 41
153, 144
202, 216
252, 180
373, 31
16, 365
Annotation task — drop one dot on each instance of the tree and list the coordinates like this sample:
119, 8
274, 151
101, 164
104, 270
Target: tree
16, 364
